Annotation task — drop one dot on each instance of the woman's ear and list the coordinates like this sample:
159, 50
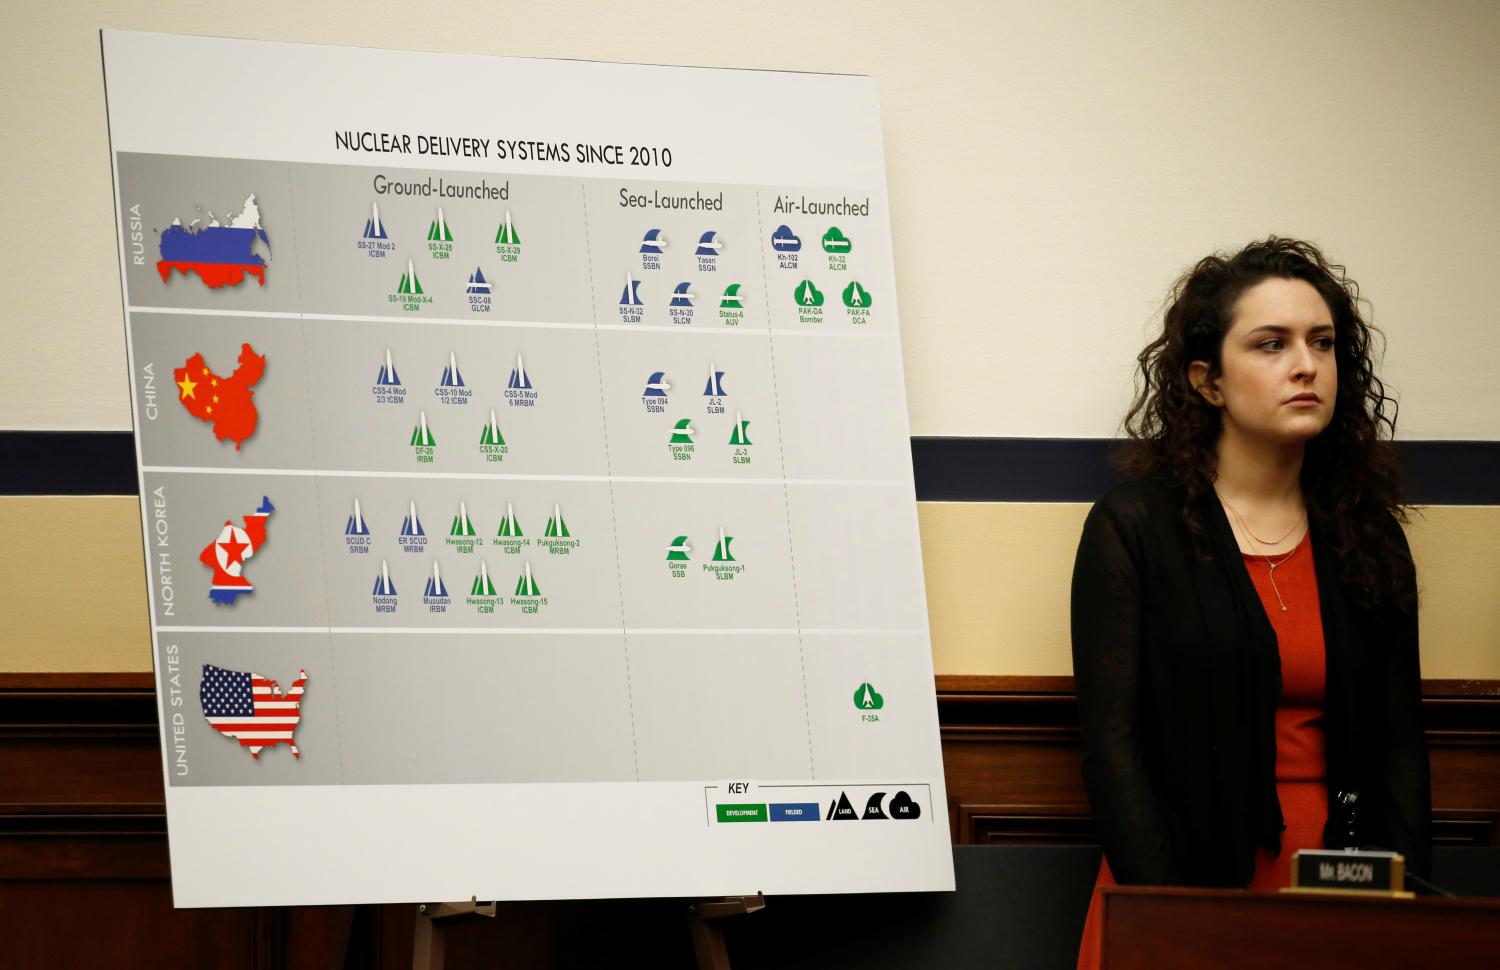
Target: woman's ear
1198, 372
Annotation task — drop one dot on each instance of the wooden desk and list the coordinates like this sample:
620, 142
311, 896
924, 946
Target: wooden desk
1155, 928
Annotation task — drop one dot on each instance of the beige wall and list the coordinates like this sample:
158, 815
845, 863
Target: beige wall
997, 586
998, 578
1051, 167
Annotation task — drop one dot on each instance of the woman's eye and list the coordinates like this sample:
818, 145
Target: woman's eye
1323, 343
1271, 345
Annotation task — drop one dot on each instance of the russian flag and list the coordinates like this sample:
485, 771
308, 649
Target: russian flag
220, 255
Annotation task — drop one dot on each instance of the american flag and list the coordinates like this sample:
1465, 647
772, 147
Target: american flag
251, 708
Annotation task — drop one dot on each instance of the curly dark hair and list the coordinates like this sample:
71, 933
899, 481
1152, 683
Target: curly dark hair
1350, 477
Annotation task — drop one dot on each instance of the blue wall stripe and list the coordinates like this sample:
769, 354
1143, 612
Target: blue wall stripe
947, 469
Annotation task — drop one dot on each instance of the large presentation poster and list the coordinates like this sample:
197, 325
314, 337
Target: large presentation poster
525, 476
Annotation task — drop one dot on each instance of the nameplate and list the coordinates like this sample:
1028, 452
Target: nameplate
1347, 870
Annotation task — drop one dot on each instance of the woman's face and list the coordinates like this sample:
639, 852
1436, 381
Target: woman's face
1278, 378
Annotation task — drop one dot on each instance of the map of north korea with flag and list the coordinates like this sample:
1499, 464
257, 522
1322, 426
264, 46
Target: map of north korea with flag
228, 403
226, 555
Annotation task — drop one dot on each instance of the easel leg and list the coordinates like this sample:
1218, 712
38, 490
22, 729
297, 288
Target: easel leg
708, 935
427, 943
708, 944
427, 936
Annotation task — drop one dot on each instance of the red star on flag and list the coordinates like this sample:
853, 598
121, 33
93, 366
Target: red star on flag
233, 551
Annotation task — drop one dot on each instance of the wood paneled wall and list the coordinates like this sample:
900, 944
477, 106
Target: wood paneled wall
83, 826
1012, 761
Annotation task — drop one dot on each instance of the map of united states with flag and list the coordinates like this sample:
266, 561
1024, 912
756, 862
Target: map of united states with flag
252, 709
228, 403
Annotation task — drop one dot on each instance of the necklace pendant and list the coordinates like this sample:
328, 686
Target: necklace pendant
1283, 608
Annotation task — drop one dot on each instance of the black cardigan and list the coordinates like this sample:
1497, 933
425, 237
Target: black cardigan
1178, 678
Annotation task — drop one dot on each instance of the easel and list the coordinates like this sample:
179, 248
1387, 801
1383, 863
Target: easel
432, 920
427, 940
708, 937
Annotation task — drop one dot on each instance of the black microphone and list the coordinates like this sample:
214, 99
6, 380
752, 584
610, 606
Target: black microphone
1349, 806
1348, 802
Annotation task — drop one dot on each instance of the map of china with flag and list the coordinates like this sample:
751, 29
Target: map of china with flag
251, 708
226, 555
228, 403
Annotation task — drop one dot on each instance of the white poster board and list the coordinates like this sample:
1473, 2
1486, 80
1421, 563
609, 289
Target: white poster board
525, 477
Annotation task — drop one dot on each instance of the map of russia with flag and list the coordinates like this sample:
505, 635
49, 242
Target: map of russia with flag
221, 255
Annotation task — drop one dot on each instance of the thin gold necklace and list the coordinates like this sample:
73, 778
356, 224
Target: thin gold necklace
1265, 542
1271, 567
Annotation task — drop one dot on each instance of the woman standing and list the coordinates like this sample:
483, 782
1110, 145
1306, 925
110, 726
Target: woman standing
1245, 607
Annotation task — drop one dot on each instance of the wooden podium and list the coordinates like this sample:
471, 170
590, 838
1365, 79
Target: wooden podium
1154, 927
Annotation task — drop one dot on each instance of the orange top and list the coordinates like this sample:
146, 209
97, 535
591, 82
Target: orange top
1301, 748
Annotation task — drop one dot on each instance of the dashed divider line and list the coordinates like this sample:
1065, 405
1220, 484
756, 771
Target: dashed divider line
786, 493
333, 679
614, 522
